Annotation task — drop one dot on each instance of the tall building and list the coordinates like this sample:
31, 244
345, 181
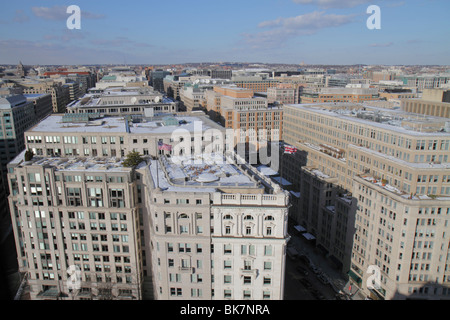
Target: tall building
132, 101
282, 94
250, 116
395, 166
217, 232
60, 93
167, 229
156, 78
17, 114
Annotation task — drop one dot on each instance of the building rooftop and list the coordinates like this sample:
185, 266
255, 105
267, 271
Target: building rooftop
56, 124
198, 173
207, 173
395, 190
85, 164
394, 120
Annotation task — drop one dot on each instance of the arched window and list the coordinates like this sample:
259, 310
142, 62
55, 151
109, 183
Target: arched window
227, 217
183, 216
269, 218
248, 217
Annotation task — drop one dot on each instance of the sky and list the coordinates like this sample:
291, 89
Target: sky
333, 32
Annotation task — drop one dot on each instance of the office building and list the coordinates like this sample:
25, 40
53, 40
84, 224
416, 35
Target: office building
251, 117
434, 102
216, 231
135, 233
347, 94
121, 101
60, 93
395, 165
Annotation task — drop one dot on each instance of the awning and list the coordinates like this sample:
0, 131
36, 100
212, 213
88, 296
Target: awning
295, 194
355, 276
281, 181
308, 236
299, 228
267, 171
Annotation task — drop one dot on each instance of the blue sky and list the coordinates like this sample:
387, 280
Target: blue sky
180, 31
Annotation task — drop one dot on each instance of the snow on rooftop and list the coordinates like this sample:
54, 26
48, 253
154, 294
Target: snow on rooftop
193, 174
352, 115
54, 123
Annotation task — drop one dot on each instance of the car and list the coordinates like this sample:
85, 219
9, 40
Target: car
302, 270
322, 278
306, 283
316, 270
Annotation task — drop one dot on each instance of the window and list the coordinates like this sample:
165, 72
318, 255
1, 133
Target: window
247, 280
227, 249
183, 229
227, 279
117, 198
95, 197
73, 196
227, 294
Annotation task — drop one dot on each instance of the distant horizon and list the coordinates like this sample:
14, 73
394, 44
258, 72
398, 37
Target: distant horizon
219, 63
316, 32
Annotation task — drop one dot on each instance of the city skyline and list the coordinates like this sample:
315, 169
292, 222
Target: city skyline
282, 31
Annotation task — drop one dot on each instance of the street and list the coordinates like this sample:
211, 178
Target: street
296, 288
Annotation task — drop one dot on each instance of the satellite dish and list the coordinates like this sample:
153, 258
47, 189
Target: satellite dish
157, 99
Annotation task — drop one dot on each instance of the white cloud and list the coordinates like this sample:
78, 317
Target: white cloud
59, 13
328, 4
282, 29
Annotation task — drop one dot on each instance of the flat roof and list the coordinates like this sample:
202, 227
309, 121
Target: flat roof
393, 124
67, 164
198, 173
55, 124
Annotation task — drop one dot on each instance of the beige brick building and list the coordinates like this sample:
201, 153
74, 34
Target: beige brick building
408, 154
211, 229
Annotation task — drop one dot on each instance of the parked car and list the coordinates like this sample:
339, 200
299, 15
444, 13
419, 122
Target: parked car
302, 270
292, 253
306, 283
322, 278
316, 270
